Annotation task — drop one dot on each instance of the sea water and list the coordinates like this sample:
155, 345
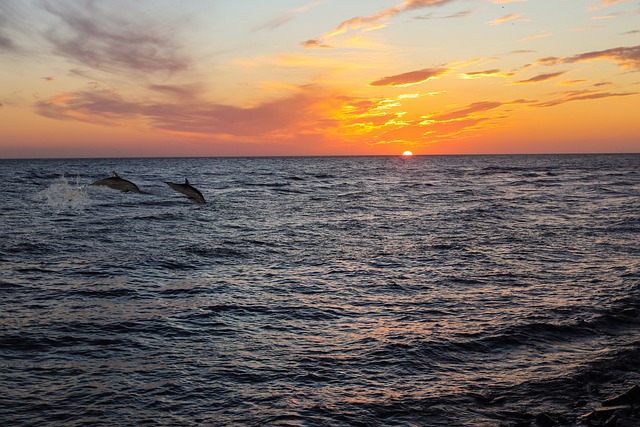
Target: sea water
371, 291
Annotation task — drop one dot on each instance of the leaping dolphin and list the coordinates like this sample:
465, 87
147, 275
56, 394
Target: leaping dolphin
117, 183
188, 190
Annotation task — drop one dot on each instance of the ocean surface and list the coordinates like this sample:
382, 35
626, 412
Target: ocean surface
318, 291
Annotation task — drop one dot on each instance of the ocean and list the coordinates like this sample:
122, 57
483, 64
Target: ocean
318, 291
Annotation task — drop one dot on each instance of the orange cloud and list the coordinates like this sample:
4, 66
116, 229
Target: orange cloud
314, 43
486, 73
597, 18
572, 82
373, 20
605, 3
410, 78
535, 37
507, 18
307, 111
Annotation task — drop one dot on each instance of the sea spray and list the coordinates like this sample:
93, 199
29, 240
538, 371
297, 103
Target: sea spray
64, 196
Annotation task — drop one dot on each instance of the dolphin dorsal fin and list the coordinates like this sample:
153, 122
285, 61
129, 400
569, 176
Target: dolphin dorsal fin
114, 174
186, 181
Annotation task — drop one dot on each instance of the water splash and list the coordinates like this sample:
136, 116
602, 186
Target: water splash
63, 195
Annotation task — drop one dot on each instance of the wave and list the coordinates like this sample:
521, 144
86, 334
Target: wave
64, 196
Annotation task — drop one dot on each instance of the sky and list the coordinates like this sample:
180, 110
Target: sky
121, 78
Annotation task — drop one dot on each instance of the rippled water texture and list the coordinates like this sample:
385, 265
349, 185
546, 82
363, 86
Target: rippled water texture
315, 291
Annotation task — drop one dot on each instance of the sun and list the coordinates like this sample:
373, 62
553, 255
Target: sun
407, 153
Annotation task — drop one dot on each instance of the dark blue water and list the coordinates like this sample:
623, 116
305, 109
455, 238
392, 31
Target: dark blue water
365, 291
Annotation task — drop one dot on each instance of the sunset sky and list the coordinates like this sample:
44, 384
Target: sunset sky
83, 78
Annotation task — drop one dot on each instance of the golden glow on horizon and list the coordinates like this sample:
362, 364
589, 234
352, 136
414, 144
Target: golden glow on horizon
321, 78
407, 153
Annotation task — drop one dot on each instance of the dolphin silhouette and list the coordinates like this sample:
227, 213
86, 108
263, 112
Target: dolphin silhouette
117, 183
188, 190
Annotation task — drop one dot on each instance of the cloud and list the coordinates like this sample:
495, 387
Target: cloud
588, 27
410, 78
461, 14
626, 57
486, 73
610, 16
115, 42
605, 3
573, 82
306, 111
507, 18
284, 18
11, 26
191, 91
541, 77
463, 113
535, 37
314, 43
373, 20
6, 43
584, 96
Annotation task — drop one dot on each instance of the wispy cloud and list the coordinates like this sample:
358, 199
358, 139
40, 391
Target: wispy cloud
373, 20
605, 3
588, 27
486, 73
468, 111
102, 39
11, 18
625, 57
583, 96
287, 16
535, 36
6, 42
410, 78
601, 17
541, 77
573, 82
507, 18
461, 14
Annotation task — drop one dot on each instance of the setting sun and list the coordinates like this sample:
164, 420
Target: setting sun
407, 153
